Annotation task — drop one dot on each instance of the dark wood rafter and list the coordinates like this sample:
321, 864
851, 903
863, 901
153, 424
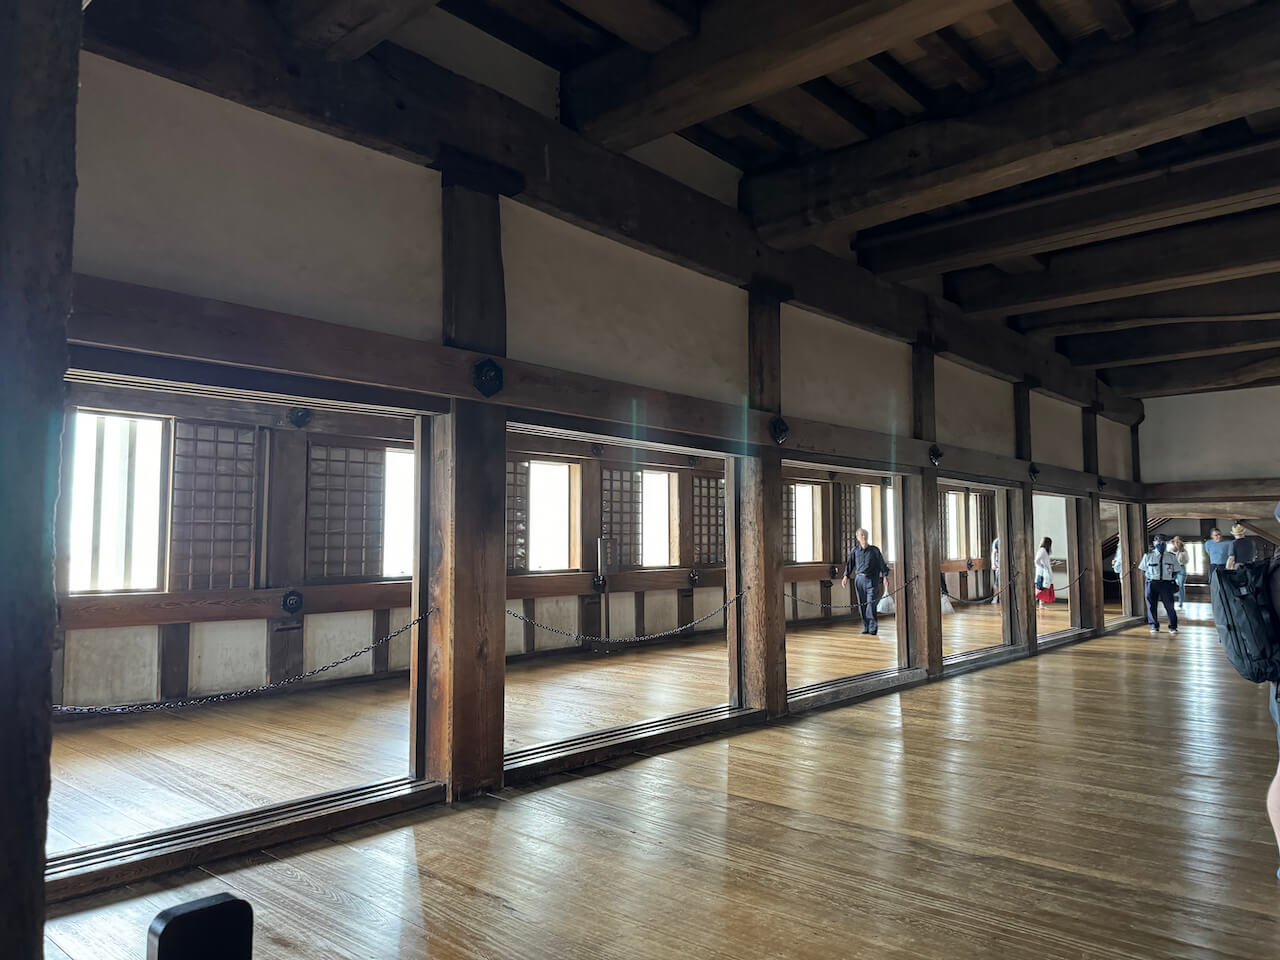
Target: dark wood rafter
1228, 248
1174, 341
397, 102
346, 29
1151, 200
648, 25
1032, 33
739, 58
1256, 368
1179, 80
957, 58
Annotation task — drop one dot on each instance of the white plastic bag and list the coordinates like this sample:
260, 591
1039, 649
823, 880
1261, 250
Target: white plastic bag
885, 606
947, 608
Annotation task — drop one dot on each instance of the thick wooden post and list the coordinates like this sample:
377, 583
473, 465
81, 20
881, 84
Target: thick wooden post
1134, 549
1076, 591
922, 528
1089, 519
1020, 601
466, 555
1135, 450
1022, 420
754, 545
39, 57
1089, 439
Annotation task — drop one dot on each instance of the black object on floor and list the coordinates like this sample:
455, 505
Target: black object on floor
219, 927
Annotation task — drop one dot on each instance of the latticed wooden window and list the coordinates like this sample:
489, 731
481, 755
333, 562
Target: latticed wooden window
708, 520
214, 493
848, 517
789, 523
517, 514
620, 513
345, 492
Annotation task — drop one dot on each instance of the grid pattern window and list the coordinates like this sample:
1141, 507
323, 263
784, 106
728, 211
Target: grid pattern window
345, 498
621, 512
517, 514
789, 523
214, 497
708, 521
848, 517
117, 481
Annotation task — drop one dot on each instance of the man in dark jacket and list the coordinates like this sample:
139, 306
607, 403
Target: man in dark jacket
866, 565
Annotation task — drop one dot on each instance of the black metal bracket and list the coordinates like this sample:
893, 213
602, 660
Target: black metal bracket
694, 577
779, 430
291, 602
935, 455
299, 416
599, 584
486, 377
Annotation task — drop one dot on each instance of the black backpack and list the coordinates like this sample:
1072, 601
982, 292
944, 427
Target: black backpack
1247, 620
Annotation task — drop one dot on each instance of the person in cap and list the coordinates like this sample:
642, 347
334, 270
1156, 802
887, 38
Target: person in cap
1160, 566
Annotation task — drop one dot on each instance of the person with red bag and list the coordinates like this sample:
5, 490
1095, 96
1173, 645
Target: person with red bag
1044, 574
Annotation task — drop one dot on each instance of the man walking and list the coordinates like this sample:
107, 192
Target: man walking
1161, 567
868, 568
1218, 550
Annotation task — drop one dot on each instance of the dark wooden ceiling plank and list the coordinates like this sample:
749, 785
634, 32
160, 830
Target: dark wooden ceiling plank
1174, 341
1184, 78
647, 25
1196, 376
1032, 33
346, 29
957, 59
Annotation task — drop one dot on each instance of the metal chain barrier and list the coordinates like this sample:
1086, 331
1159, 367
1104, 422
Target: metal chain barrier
1013, 575
126, 708
852, 606
622, 641
1068, 586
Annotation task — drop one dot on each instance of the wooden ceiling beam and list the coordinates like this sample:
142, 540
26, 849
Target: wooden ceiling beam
401, 104
1227, 248
1165, 197
1181, 78
1115, 16
1032, 33
892, 83
647, 25
346, 29
1196, 376
1254, 298
810, 118
743, 53
1175, 341
950, 50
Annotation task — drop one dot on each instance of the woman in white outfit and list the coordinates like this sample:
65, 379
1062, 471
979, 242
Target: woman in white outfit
1044, 566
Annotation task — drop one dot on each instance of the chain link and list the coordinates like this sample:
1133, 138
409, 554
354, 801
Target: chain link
125, 708
1072, 583
852, 606
622, 641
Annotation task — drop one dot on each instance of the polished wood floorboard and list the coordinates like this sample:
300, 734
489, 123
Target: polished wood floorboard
1104, 800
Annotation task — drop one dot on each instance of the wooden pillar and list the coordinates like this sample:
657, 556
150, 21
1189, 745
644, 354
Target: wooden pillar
39, 56
1089, 437
1134, 549
922, 527
1136, 454
1089, 518
465, 555
1022, 420
754, 544
1075, 592
1020, 601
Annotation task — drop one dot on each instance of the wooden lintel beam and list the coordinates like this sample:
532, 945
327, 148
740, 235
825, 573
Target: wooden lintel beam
1169, 342
647, 25
1191, 491
742, 55
1152, 200
1179, 79
1032, 33
1196, 376
399, 103
1215, 250
347, 29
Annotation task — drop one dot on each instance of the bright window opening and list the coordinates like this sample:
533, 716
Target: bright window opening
804, 523
975, 526
655, 519
866, 511
397, 515
890, 550
955, 525
548, 516
1195, 559
116, 482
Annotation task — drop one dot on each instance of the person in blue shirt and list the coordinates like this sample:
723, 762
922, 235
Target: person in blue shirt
866, 565
1218, 550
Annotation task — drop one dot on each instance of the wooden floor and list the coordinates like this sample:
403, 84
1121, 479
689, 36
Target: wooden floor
1100, 801
120, 777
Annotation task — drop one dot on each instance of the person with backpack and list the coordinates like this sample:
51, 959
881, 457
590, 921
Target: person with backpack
1246, 610
1160, 566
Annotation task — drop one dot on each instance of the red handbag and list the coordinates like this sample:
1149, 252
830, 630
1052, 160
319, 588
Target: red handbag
1047, 594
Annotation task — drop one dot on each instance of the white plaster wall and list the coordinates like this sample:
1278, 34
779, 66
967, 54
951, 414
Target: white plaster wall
1057, 432
328, 636
706, 599
559, 612
1115, 450
515, 628
839, 374
622, 615
227, 655
580, 302
398, 650
811, 591
111, 665
466, 50
1050, 514
661, 610
974, 410
1230, 435
188, 192
691, 165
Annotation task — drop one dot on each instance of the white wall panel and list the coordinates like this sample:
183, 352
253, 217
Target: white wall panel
1230, 435
1115, 449
401, 646
328, 636
227, 655
111, 665
559, 612
1057, 432
974, 410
